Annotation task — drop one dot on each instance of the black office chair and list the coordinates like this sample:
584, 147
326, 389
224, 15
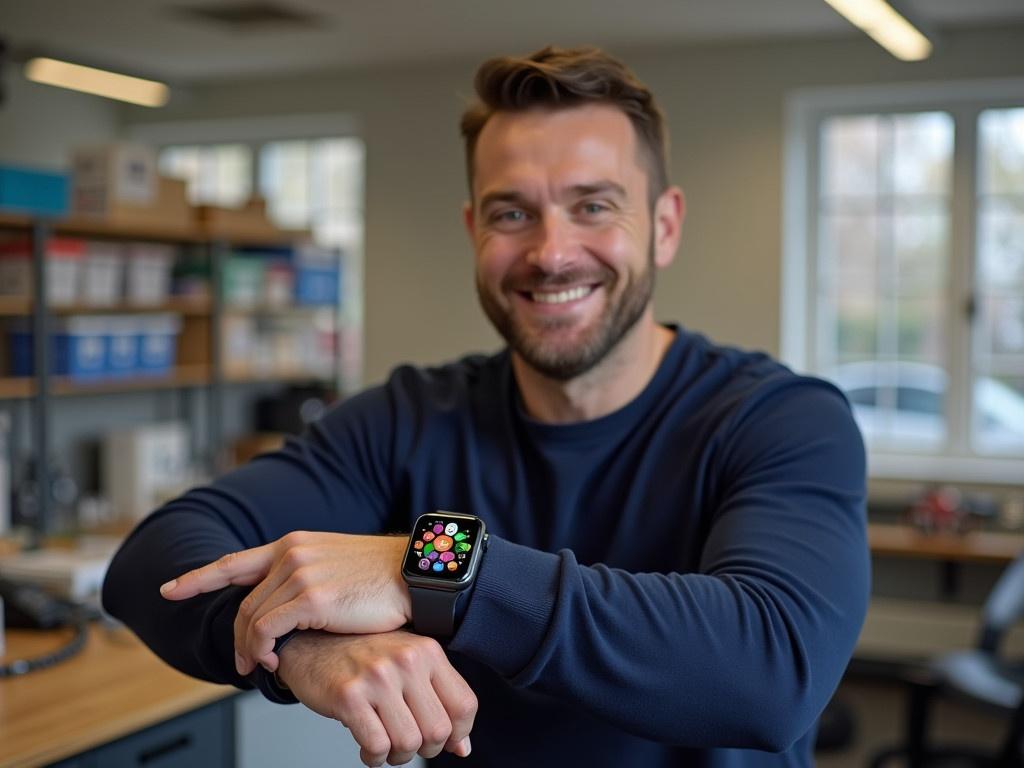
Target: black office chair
981, 675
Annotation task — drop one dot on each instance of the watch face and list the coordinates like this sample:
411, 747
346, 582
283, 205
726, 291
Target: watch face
442, 546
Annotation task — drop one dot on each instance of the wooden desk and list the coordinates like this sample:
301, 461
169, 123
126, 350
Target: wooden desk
113, 688
973, 547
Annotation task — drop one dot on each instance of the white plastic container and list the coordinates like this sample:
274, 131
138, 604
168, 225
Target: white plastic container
102, 274
63, 266
148, 273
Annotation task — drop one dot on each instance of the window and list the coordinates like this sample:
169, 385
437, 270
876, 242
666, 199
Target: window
904, 271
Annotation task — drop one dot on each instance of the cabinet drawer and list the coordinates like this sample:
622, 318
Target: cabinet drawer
201, 738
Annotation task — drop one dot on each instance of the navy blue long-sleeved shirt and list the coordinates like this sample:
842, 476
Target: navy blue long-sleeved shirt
680, 582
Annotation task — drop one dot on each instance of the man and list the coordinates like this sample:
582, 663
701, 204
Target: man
676, 570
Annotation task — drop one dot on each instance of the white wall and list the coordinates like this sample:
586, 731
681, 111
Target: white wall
40, 125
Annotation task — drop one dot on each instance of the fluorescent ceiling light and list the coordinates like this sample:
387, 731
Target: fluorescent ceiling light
62, 74
888, 28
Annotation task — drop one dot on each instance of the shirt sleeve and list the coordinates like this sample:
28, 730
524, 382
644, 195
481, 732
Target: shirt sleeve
333, 478
746, 651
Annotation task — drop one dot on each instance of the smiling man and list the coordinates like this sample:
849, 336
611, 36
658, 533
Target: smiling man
623, 544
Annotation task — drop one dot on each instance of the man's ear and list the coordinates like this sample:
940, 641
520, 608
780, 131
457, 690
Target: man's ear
669, 213
468, 219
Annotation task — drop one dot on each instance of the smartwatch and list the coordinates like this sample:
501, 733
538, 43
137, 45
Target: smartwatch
444, 553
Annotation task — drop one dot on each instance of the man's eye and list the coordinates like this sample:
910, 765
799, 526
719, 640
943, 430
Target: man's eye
511, 216
594, 208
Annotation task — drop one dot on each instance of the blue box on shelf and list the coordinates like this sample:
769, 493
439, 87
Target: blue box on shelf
26, 190
158, 344
123, 337
78, 348
317, 284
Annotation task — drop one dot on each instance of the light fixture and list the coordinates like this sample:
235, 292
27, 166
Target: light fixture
887, 26
63, 74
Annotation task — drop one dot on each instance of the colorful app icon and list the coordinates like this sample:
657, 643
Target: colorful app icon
417, 545
451, 529
424, 564
447, 557
428, 536
438, 528
463, 546
438, 567
453, 566
462, 536
443, 543
428, 549
432, 555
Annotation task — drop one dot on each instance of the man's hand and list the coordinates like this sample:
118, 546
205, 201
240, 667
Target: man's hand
334, 581
396, 692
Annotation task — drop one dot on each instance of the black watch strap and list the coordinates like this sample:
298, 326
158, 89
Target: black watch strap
433, 611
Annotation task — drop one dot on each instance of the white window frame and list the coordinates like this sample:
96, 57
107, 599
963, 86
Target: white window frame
805, 111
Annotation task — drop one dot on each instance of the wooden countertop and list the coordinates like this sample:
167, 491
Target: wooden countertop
113, 688
975, 546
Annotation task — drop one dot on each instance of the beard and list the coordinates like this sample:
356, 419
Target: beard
562, 361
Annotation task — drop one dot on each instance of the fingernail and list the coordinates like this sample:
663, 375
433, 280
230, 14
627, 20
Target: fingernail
168, 586
465, 747
239, 663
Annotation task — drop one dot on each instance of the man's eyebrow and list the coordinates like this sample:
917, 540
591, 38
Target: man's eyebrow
501, 196
577, 190
597, 188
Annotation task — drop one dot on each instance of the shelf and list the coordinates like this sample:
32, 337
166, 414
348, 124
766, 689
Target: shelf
192, 232
15, 306
294, 377
21, 387
286, 309
16, 221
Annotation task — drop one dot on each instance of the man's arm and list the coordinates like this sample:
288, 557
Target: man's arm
745, 653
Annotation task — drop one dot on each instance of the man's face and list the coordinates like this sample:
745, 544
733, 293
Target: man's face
562, 227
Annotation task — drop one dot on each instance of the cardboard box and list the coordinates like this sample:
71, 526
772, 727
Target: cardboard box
110, 175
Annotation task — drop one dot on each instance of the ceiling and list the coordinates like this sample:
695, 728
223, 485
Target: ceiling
157, 38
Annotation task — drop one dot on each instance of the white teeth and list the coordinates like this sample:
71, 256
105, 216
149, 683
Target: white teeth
571, 294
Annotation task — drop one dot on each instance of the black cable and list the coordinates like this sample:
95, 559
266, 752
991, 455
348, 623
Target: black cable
20, 667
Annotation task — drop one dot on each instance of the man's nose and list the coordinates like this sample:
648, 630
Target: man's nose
554, 249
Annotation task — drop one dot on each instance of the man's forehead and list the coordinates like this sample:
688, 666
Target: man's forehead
585, 142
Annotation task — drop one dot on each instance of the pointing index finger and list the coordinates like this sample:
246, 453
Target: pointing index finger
246, 567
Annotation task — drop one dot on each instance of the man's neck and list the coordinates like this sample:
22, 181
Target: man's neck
619, 378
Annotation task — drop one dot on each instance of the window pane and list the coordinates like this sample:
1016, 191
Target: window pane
884, 230
216, 174
923, 146
1001, 158
284, 182
850, 156
998, 359
1000, 244
921, 330
919, 242
999, 414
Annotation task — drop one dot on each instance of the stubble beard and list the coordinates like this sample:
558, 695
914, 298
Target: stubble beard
552, 359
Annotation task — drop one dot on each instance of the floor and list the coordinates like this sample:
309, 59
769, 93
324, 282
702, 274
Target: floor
879, 710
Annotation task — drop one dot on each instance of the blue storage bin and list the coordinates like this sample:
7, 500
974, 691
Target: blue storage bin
158, 344
318, 284
123, 336
31, 191
78, 348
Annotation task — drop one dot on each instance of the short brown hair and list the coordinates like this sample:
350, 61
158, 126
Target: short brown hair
566, 77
